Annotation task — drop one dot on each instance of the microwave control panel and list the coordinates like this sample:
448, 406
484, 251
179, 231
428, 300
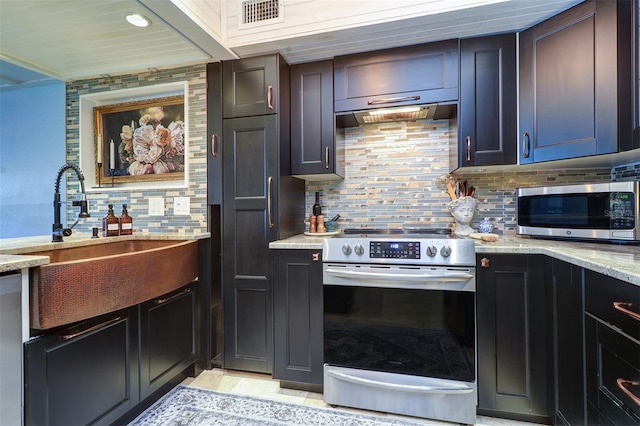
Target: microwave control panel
622, 212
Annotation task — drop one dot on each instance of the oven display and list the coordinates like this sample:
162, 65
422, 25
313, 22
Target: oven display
394, 249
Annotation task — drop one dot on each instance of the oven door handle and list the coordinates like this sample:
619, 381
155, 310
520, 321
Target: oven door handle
406, 388
438, 276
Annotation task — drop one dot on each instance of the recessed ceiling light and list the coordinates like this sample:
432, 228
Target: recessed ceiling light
137, 20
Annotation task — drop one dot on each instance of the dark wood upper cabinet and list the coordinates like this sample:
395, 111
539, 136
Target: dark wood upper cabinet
392, 77
315, 153
251, 86
575, 83
487, 115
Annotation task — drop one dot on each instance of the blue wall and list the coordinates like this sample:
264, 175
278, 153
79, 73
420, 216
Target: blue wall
32, 150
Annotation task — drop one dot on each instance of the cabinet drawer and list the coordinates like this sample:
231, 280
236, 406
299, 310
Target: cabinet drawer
613, 301
619, 387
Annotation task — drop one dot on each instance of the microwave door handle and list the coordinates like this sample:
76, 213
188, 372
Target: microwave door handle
386, 276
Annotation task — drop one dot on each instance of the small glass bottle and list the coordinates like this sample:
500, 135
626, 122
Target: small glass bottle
110, 224
126, 222
317, 210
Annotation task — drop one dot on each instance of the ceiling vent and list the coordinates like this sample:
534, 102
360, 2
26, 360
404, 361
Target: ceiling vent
257, 12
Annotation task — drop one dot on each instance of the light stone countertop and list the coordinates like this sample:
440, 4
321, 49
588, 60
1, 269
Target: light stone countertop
14, 262
13, 250
615, 260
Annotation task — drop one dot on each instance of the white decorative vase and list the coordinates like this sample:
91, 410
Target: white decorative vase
462, 210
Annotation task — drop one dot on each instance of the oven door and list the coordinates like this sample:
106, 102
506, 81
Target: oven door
401, 339
406, 320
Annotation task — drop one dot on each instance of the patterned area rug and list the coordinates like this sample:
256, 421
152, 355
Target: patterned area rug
191, 406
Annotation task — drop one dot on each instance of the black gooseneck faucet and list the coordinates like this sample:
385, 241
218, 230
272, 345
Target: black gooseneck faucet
58, 230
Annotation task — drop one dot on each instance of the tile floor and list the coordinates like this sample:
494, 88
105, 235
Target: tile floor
263, 386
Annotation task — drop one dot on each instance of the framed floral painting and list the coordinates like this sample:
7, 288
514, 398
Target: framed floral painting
140, 141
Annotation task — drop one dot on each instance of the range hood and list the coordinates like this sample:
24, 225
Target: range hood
399, 113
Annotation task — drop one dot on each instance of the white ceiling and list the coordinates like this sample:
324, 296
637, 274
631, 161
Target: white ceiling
79, 39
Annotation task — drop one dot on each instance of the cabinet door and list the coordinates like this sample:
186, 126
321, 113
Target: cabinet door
298, 341
393, 77
487, 118
312, 122
214, 134
567, 286
569, 84
83, 374
250, 86
511, 335
167, 328
250, 212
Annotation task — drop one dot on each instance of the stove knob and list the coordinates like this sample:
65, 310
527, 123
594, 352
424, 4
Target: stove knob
445, 251
432, 251
346, 249
359, 250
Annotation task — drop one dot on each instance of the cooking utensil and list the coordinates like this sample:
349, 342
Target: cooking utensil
451, 191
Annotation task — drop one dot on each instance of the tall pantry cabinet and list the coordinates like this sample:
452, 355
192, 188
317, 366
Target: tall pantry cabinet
261, 202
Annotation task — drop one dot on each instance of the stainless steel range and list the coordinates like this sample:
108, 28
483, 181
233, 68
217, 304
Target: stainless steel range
399, 323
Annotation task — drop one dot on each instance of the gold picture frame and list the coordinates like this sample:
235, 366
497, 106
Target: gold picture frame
149, 140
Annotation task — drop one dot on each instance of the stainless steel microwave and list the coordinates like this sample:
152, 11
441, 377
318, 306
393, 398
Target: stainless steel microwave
599, 211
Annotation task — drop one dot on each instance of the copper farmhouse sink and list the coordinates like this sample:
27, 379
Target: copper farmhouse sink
84, 282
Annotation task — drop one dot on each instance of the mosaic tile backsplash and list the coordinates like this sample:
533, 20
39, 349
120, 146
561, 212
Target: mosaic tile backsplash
390, 171
390, 175
137, 200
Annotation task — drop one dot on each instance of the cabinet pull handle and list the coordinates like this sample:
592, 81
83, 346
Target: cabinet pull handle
621, 384
175, 296
624, 308
66, 337
468, 148
315, 257
214, 145
526, 145
393, 100
270, 97
269, 201
484, 262
326, 158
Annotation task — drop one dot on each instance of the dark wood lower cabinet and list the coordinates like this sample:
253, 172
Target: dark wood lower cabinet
567, 301
298, 341
510, 294
84, 374
167, 342
101, 370
612, 332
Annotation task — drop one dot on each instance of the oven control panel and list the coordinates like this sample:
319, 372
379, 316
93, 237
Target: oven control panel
394, 249
397, 250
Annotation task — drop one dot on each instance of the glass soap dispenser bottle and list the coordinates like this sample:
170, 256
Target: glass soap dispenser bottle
126, 222
110, 224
